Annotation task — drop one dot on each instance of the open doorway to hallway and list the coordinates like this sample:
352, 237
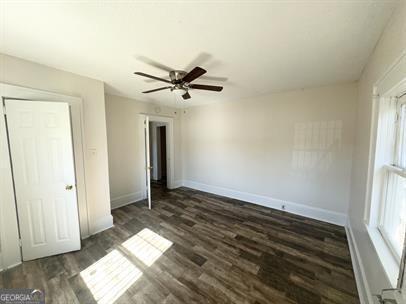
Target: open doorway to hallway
158, 156
158, 145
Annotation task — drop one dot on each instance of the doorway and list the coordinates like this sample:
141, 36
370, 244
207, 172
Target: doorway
158, 151
157, 142
43, 171
158, 156
9, 230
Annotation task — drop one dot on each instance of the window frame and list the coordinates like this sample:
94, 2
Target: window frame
400, 125
391, 83
393, 168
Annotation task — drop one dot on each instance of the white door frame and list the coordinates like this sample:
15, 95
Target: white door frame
9, 242
170, 150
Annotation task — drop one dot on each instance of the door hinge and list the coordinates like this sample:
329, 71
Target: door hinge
20, 243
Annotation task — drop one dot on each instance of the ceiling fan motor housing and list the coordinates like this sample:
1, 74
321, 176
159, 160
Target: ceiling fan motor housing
177, 76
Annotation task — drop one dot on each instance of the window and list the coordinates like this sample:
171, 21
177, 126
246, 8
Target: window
392, 215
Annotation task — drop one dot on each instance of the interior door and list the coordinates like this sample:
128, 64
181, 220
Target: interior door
147, 161
44, 177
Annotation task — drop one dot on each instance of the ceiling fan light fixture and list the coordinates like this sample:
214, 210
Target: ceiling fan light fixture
179, 91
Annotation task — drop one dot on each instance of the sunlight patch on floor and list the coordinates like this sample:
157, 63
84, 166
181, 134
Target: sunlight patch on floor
110, 277
147, 246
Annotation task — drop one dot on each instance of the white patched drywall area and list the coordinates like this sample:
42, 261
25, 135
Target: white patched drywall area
315, 145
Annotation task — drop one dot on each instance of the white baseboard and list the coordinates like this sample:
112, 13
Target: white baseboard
364, 292
10, 266
177, 184
126, 199
102, 224
299, 209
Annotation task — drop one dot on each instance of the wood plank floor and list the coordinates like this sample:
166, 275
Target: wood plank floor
195, 247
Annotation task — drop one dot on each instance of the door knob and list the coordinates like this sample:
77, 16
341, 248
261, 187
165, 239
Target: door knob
69, 187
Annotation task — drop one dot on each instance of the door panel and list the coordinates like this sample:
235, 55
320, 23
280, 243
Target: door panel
43, 169
35, 215
61, 222
29, 161
55, 157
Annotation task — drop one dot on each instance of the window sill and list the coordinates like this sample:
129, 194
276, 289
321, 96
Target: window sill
385, 255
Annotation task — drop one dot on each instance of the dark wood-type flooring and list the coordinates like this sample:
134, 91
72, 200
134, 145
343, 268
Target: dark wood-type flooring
223, 251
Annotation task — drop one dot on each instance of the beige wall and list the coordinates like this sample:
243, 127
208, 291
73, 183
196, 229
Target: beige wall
29, 74
123, 133
294, 146
390, 47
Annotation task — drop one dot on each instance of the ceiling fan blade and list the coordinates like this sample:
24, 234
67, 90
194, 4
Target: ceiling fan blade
154, 63
186, 95
159, 89
206, 87
154, 80
152, 77
209, 78
193, 74
214, 78
200, 59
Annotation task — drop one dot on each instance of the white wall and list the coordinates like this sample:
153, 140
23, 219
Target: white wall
29, 74
125, 170
294, 146
389, 48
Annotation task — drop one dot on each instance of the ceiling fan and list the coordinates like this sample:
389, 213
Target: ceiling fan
181, 82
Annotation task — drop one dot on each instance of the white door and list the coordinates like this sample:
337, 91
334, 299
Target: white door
44, 177
147, 160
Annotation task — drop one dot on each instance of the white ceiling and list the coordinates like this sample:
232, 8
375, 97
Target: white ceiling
259, 46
